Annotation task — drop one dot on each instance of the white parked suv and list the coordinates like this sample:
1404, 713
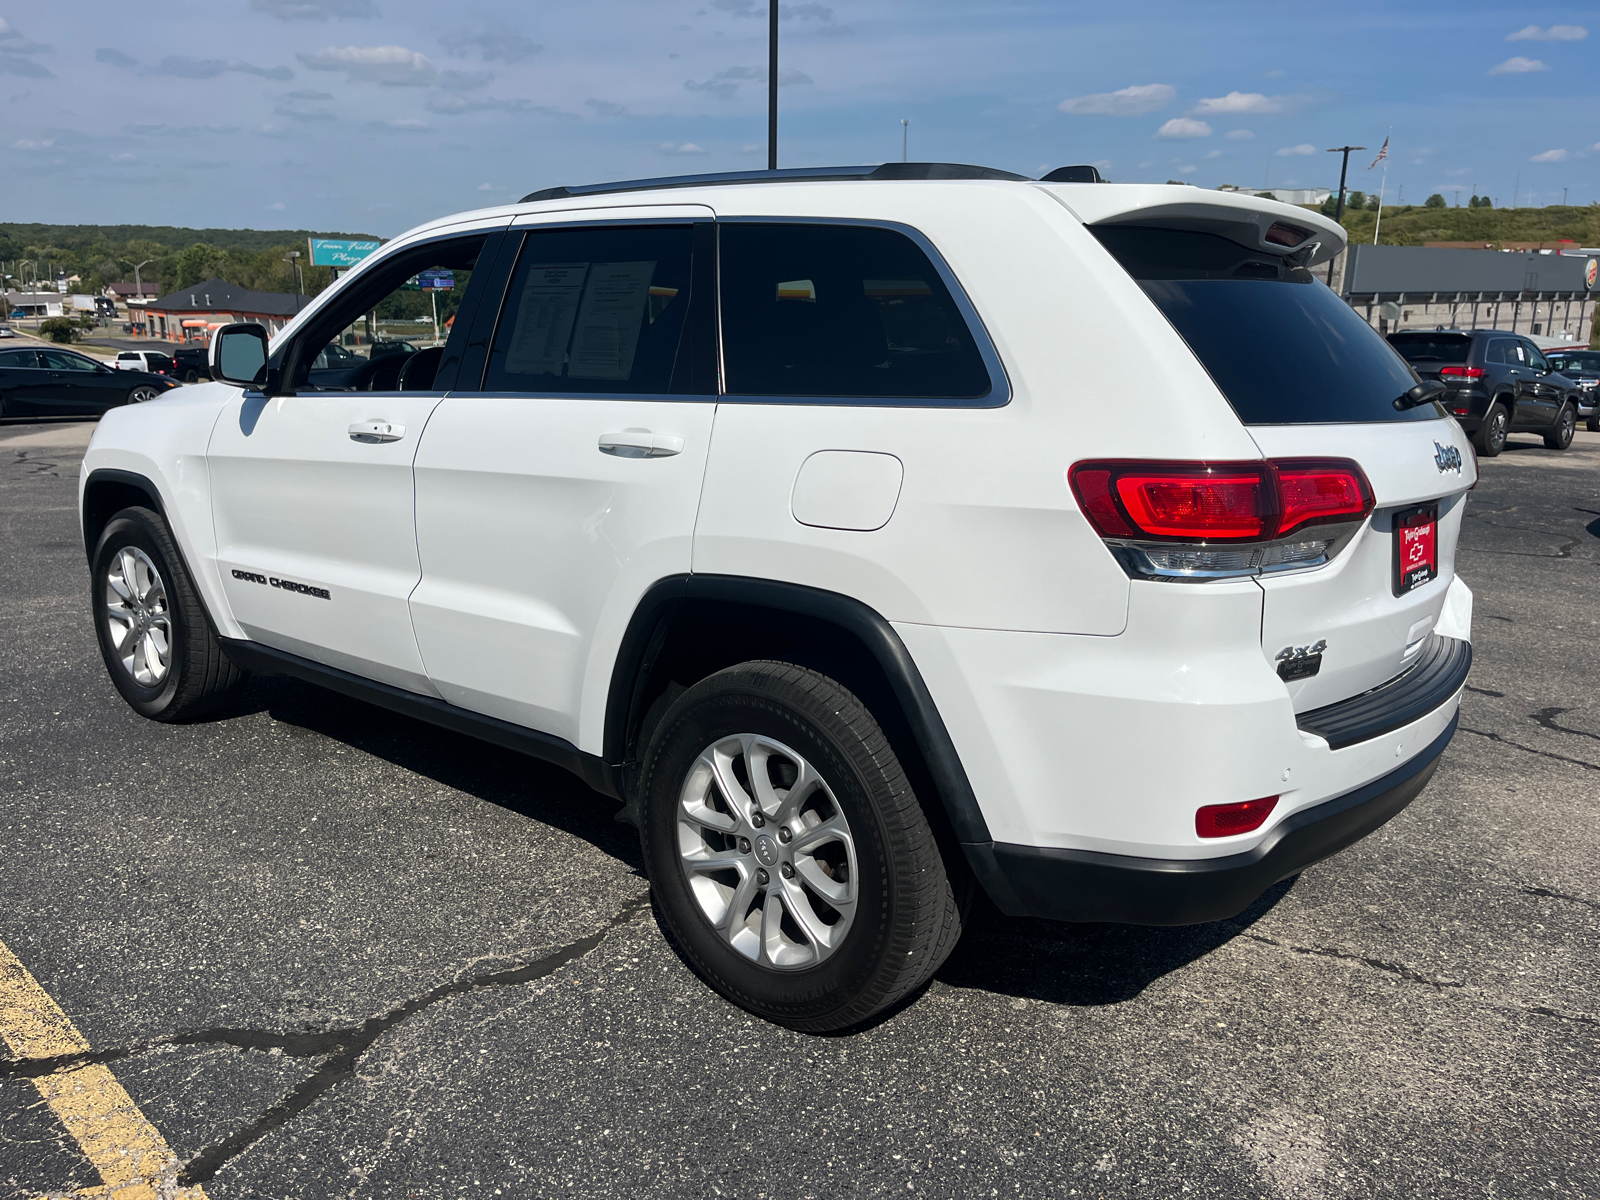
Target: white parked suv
818, 517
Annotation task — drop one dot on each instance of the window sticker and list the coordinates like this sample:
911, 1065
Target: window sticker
797, 289
607, 332
545, 318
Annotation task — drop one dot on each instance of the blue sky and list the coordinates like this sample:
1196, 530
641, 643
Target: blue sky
374, 115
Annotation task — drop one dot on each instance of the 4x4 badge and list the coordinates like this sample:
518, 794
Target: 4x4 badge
1448, 458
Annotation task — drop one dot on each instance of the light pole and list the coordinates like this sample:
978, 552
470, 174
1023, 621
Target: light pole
905, 137
772, 85
293, 259
1338, 208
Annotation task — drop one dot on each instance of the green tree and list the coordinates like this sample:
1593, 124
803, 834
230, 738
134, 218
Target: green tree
59, 329
1435, 201
1355, 199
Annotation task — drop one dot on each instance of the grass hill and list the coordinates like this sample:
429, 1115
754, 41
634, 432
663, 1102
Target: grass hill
1412, 225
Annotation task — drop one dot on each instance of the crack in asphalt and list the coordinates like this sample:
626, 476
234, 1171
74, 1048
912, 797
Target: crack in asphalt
1547, 718
1495, 737
1406, 973
1553, 895
341, 1049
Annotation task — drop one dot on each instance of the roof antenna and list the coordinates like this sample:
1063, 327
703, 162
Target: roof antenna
772, 85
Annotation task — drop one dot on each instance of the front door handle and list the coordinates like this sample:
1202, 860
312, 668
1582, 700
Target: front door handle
640, 443
376, 431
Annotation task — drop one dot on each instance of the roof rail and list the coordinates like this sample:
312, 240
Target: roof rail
898, 170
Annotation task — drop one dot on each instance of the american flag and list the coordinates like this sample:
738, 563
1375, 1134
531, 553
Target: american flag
1382, 154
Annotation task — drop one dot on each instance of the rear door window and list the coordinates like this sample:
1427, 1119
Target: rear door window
598, 310
1496, 353
12, 360
1278, 343
842, 313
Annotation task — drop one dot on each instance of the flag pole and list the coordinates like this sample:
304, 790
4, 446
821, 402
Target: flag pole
1383, 184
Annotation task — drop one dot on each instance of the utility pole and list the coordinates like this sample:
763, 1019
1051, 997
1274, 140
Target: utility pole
1563, 197
905, 138
293, 259
772, 85
1338, 208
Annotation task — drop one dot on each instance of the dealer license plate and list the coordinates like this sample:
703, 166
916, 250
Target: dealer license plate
1416, 547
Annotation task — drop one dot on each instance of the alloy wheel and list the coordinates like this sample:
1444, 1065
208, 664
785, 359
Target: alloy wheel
767, 852
1497, 431
140, 394
138, 618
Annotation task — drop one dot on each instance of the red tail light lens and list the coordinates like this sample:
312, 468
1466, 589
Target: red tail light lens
1218, 502
1280, 234
1463, 372
1319, 492
1226, 820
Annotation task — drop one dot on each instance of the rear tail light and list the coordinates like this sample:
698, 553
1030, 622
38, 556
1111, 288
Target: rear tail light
1280, 234
1226, 820
1463, 372
1218, 502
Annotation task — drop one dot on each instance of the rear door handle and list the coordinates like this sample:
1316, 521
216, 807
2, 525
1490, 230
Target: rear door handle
640, 443
376, 431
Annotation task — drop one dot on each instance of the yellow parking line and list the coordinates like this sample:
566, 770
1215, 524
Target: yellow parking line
133, 1159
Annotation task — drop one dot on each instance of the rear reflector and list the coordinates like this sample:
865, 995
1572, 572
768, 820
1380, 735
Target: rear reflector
1226, 820
1463, 372
1205, 503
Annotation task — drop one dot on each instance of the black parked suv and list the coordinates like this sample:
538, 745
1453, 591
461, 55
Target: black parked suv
191, 363
1499, 383
1582, 366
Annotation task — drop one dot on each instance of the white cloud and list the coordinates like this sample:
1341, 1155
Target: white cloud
277, 206
1241, 102
1518, 65
685, 148
452, 105
1133, 101
464, 81
1182, 128
392, 66
1302, 148
30, 144
181, 67
1550, 156
724, 84
1239, 135
1190, 170
1556, 33
1213, 154
314, 10
400, 125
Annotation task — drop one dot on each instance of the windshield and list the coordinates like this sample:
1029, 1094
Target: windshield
1280, 345
1431, 347
1587, 360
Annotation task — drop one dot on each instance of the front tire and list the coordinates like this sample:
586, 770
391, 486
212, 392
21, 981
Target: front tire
1491, 436
154, 636
1560, 435
789, 857
142, 393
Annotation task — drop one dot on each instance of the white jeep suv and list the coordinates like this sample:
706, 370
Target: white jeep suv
872, 534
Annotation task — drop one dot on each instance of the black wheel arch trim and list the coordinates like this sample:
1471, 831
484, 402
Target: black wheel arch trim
642, 640
1087, 885
127, 479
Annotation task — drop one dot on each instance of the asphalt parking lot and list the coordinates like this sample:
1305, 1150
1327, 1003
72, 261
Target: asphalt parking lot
329, 951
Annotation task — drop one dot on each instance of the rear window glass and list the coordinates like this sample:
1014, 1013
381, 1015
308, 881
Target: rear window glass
1431, 348
1280, 345
1564, 360
843, 312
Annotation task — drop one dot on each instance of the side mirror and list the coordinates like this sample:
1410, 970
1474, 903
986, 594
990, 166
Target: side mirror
239, 355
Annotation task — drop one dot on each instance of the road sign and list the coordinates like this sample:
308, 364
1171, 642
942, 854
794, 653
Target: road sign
332, 252
436, 281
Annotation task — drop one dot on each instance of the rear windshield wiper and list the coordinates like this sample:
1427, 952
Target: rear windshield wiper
1423, 393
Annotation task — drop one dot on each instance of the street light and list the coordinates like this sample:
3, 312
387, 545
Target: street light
293, 259
905, 137
1338, 208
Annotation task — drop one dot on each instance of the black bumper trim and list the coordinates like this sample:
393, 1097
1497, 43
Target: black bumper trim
1088, 885
1440, 670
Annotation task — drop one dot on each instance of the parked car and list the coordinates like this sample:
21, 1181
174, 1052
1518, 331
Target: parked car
808, 525
395, 346
7, 332
191, 363
1583, 368
151, 361
1498, 383
62, 383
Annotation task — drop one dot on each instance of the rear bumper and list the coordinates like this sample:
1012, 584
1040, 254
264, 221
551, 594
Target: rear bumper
1087, 885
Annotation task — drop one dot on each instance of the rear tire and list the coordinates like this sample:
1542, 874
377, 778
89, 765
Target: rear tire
834, 903
1594, 423
157, 643
142, 393
191, 376
1491, 436
1560, 435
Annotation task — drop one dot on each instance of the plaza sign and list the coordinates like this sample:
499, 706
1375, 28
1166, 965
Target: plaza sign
331, 252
